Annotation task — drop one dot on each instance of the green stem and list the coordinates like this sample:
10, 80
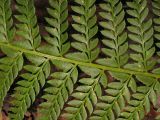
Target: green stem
80, 63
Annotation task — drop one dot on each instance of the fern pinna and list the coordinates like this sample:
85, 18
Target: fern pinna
96, 61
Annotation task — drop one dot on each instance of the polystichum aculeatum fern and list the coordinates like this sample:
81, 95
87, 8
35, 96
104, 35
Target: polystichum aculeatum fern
107, 69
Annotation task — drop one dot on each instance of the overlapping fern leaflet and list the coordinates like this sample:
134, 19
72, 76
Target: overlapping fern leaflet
7, 30
115, 39
79, 77
36, 73
142, 35
59, 90
117, 94
29, 86
9, 69
27, 27
85, 24
12, 63
86, 94
139, 105
62, 84
58, 24
156, 20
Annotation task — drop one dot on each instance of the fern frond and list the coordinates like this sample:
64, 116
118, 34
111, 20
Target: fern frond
28, 88
156, 20
12, 63
117, 95
139, 105
57, 28
27, 27
85, 95
85, 25
59, 90
81, 77
9, 69
142, 35
115, 39
7, 29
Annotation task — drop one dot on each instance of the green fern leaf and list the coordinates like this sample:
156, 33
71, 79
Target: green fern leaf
12, 63
139, 105
61, 87
57, 29
89, 63
7, 29
28, 87
114, 35
156, 20
85, 25
85, 96
9, 69
27, 27
115, 99
142, 36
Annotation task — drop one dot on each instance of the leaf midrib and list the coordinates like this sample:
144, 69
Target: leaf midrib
122, 70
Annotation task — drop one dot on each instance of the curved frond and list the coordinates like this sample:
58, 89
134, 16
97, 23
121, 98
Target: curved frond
13, 62
115, 37
139, 105
59, 90
156, 20
7, 29
117, 95
9, 69
57, 28
85, 24
81, 66
27, 27
142, 36
85, 96
29, 86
